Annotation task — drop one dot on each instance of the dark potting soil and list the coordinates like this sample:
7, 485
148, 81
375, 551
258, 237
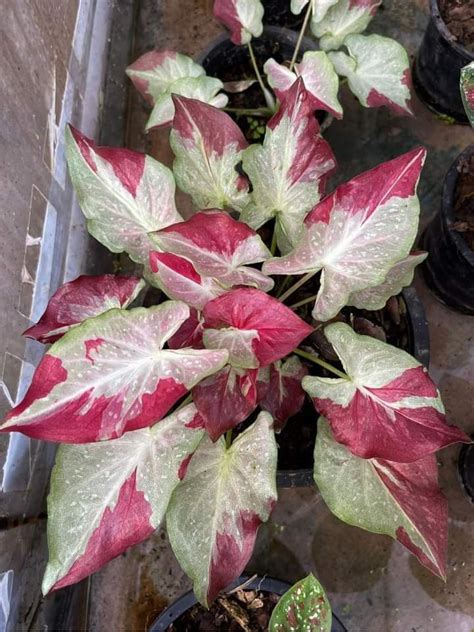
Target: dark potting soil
458, 15
464, 201
243, 610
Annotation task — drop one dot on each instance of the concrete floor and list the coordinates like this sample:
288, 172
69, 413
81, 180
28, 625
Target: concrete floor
373, 584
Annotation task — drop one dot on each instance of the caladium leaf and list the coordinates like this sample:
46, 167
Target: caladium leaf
289, 171
110, 375
208, 147
467, 91
243, 18
343, 19
218, 246
106, 497
238, 342
85, 297
179, 280
215, 512
398, 277
190, 332
201, 88
303, 607
225, 399
284, 395
388, 407
377, 70
358, 233
275, 329
320, 80
319, 8
401, 500
123, 194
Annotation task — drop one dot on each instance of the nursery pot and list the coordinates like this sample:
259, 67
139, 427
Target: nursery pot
449, 269
278, 13
438, 66
188, 600
418, 346
466, 469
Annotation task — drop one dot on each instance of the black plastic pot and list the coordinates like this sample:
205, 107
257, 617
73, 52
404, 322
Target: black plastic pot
187, 601
449, 269
466, 469
419, 347
438, 66
278, 13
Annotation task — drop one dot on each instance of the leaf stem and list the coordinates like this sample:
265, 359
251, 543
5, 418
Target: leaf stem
301, 35
228, 439
305, 301
296, 286
269, 100
317, 360
273, 245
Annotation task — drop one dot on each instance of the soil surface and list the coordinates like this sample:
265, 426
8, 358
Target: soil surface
464, 201
242, 611
458, 16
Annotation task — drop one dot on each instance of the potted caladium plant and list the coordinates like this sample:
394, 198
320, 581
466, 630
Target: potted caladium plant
173, 410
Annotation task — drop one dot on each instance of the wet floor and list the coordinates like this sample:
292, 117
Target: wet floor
373, 584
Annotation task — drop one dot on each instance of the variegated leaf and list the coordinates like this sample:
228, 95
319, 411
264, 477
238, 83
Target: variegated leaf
319, 8
238, 342
215, 512
401, 500
123, 194
388, 407
155, 72
358, 233
218, 246
398, 277
106, 497
85, 297
243, 18
289, 171
208, 147
225, 399
467, 91
342, 19
110, 375
320, 80
284, 395
303, 608
378, 72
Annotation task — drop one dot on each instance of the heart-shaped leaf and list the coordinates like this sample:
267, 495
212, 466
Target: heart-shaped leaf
358, 233
208, 147
218, 246
401, 500
467, 91
106, 497
289, 171
243, 18
123, 194
284, 395
377, 70
110, 375
215, 512
275, 329
85, 297
388, 407
342, 19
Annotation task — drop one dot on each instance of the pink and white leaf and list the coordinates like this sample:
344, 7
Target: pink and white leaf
388, 407
218, 246
208, 147
179, 280
358, 233
401, 500
342, 19
378, 72
467, 91
289, 171
243, 18
238, 342
215, 512
123, 194
225, 399
190, 332
275, 329
106, 497
320, 80
85, 297
155, 72
110, 375
284, 394
398, 277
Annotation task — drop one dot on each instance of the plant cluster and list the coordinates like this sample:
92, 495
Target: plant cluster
171, 410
